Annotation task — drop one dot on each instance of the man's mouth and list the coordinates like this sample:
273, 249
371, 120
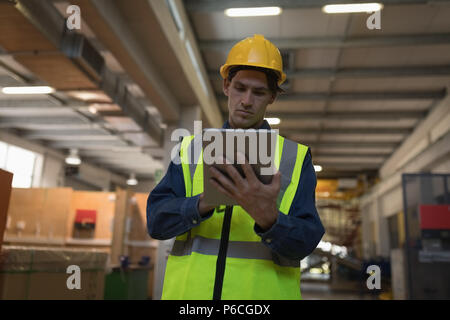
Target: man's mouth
243, 112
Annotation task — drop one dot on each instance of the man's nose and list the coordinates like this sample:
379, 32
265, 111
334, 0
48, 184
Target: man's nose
247, 99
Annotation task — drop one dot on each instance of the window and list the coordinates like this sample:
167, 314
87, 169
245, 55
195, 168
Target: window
20, 162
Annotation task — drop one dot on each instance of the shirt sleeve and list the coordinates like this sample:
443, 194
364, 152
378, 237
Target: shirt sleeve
298, 233
169, 212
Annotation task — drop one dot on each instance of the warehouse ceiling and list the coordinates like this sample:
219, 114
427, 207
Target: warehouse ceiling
353, 94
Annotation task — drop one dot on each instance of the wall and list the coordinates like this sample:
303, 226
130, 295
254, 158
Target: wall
427, 149
51, 166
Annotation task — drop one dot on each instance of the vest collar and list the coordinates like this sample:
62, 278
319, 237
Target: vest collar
265, 125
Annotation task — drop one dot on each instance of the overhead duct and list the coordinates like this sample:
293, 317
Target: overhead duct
81, 51
67, 61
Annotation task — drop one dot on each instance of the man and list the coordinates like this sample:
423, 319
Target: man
250, 251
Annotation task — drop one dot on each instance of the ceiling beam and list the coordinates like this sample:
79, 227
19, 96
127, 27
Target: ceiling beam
350, 156
338, 42
369, 115
396, 95
347, 96
17, 122
65, 132
336, 174
356, 131
220, 5
39, 103
345, 165
184, 46
79, 137
51, 23
387, 72
116, 33
97, 145
354, 145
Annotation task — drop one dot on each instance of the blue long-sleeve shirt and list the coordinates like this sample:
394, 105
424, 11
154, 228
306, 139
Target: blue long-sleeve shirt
295, 235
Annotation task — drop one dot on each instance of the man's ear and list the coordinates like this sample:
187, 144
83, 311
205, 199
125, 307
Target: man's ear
274, 96
226, 86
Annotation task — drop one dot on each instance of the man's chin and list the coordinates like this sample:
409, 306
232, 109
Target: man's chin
242, 123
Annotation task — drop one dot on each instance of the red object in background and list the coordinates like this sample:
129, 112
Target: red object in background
84, 217
435, 217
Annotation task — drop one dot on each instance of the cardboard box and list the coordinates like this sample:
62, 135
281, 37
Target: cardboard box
5, 187
40, 273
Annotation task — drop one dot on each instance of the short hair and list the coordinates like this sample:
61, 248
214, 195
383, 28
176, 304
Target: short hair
271, 75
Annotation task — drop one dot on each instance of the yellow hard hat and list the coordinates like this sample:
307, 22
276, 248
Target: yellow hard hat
255, 51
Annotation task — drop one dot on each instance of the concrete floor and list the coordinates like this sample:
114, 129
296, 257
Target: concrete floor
322, 291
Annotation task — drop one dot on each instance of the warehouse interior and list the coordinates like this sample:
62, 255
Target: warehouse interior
78, 161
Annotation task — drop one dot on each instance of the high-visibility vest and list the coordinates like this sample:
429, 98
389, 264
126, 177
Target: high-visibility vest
223, 257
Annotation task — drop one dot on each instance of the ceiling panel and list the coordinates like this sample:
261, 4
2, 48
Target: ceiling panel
36, 112
311, 22
316, 58
140, 139
296, 106
211, 26
58, 70
310, 85
122, 123
18, 34
421, 18
214, 60
390, 84
361, 137
356, 123
420, 55
308, 123
360, 150
381, 105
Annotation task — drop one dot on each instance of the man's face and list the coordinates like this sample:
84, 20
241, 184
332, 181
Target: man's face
248, 97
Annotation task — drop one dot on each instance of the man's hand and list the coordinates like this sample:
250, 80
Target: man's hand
258, 199
203, 209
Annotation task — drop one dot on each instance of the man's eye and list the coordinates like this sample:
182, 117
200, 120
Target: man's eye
240, 89
259, 93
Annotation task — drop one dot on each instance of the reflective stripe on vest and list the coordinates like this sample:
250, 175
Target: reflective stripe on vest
252, 269
236, 249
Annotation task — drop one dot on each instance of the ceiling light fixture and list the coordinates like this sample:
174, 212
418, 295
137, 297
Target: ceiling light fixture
253, 12
352, 7
28, 90
93, 109
317, 168
273, 120
73, 159
132, 181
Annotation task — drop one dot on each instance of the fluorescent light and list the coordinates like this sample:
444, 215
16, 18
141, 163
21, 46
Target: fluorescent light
73, 159
353, 7
28, 90
253, 12
92, 109
273, 120
317, 168
132, 180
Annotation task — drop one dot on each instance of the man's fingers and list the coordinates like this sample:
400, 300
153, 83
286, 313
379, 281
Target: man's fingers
248, 171
276, 180
233, 173
223, 180
275, 184
220, 188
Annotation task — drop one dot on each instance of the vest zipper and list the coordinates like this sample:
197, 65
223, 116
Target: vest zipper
222, 255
